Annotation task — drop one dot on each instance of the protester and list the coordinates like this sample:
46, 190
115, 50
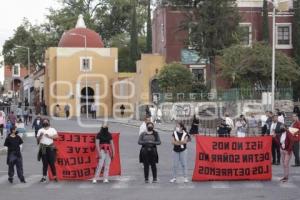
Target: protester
94, 110
47, 151
263, 123
37, 124
280, 117
30, 115
14, 156
20, 126
12, 118
122, 108
180, 140
223, 129
106, 152
158, 116
296, 124
2, 124
275, 129
149, 156
195, 126
253, 125
25, 115
285, 139
143, 127
8, 126
241, 126
269, 122
67, 110
57, 110
229, 122
147, 110
19, 112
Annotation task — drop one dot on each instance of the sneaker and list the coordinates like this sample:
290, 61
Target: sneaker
94, 181
186, 180
55, 180
284, 179
23, 181
146, 181
43, 180
155, 180
105, 181
173, 180
10, 180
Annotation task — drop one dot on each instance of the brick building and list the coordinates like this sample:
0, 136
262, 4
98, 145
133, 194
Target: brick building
170, 40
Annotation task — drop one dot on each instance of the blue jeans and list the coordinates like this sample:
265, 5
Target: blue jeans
105, 160
180, 158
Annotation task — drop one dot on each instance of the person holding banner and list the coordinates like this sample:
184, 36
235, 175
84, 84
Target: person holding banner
286, 139
296, 125
106, 152
180, 139
148, 155
47, 151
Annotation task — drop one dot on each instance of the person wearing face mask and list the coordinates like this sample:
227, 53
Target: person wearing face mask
14, 156
286, 139
149, 156
47, 151
180, 139
37, 124
105, 149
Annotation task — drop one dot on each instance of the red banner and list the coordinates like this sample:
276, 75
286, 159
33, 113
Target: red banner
233, 158
77, 156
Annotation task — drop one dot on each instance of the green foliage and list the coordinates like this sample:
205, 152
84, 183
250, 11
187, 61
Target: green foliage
252, 65
149, 28
213, 26
133, 37
175, 78
265, 25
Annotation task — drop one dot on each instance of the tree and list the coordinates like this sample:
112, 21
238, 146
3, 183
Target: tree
175, 78
265, 25
149, 28
213, 26
252, 66
296, 31
133, 37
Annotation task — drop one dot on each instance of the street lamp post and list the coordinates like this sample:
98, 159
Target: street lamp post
86, 83
273, 57
282, 5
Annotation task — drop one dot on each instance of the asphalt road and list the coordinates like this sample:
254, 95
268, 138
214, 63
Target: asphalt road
130, 185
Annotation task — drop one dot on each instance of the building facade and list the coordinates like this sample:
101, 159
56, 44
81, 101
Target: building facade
170, 39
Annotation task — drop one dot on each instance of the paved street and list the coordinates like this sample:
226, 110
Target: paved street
131, 184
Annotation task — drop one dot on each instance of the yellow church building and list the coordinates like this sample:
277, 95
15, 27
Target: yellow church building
83, 74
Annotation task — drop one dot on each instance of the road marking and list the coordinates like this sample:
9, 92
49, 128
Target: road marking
254, 184
86, 185
220, 185
54, 185
3, 179
30, 134
287, 185
186, 186
123, 182
30, 181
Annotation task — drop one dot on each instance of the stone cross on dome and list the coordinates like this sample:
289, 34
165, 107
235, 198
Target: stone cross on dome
80, 22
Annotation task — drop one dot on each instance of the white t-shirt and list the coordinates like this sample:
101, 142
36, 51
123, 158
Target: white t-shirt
45, 140
143, 128
281, 119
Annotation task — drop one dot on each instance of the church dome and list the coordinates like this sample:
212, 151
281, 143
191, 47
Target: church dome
76, 37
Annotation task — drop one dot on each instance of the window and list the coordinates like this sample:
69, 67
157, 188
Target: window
198, 72
284, 36
246, 31
85, 64
16, 70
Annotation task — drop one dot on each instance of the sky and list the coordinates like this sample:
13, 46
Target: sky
12, 13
